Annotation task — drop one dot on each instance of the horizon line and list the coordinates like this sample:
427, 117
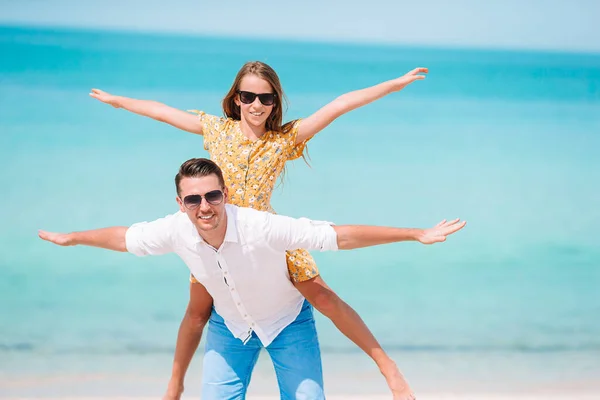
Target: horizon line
298, 40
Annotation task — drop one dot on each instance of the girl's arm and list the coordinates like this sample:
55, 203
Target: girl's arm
152, 109
347, 102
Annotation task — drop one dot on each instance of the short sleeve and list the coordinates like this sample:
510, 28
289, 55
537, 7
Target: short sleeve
296, 150
211, 126
152, 238
286, 233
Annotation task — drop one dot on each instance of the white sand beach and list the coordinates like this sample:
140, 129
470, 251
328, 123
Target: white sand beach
474, 396
361, 382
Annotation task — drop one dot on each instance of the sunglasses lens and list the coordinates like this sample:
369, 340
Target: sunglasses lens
214, 197
192, 201
267, 99
247, 97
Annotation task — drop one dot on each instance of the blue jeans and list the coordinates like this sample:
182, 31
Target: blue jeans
295, 353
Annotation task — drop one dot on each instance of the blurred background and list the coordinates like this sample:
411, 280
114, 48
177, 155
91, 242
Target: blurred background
504, 132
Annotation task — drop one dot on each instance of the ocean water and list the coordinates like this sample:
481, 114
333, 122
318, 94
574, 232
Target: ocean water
509, 141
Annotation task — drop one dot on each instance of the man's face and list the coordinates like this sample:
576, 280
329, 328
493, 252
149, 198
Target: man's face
208, 211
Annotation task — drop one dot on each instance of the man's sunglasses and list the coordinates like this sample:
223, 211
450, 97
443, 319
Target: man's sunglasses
267, 99
193, 201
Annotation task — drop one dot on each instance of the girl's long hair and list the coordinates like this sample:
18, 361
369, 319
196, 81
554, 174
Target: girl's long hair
263, 71
275, 121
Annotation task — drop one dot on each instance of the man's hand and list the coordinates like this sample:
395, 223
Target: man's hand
61, 239
439, 232
174, 391
397, 382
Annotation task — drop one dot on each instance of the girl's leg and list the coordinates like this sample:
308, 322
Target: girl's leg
314, 289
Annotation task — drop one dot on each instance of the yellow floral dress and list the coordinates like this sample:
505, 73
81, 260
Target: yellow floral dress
251, 168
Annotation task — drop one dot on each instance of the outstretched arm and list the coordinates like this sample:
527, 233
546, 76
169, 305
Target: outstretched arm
152, 109
286, 233
356, 236
144, 238
347, 102
107, 238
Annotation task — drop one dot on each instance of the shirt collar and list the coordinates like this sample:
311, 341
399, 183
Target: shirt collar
231, 234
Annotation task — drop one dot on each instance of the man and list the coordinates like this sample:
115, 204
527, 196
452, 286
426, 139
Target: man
238, 256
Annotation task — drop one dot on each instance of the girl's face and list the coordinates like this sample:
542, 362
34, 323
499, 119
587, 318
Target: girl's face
253, 93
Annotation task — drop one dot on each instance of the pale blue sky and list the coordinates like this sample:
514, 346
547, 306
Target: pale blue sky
532, 24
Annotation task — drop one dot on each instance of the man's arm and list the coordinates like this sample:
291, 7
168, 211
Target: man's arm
144, 238
356, 236
285, 233
190, 332
107, 238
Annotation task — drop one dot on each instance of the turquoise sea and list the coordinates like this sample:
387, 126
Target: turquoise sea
509, 141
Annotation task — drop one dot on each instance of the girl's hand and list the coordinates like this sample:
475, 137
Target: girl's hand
408, 78
105, 97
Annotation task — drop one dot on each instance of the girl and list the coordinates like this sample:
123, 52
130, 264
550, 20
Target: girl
252, 145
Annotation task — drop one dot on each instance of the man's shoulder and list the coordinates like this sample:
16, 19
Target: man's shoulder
171, 220
178, 227
174, 224
247, 214
177, 218
250, 223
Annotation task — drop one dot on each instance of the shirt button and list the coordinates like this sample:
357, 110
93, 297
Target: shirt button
232, 289
239, 304
225, 273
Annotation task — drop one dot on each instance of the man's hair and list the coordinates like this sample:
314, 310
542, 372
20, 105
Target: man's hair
197, 168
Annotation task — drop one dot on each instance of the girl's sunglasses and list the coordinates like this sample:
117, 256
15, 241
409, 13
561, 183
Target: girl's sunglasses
267, 99
193, 201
